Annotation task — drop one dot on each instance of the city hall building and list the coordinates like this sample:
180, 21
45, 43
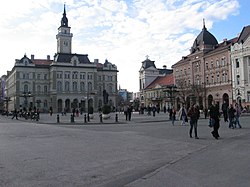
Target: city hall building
63, 83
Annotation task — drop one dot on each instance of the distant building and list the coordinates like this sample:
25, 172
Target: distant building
148, 73
66, 82
3, 98
160, 92
124, 98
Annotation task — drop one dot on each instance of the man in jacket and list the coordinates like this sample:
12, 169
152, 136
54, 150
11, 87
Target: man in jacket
214, 114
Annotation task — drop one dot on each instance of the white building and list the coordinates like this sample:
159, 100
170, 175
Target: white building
240, 57
66, 82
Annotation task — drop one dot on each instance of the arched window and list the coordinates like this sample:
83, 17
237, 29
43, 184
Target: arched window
100, 89
110, 89
38, 89
74, 86
82, 86
89, 86
67, 86
26, 88
59, 86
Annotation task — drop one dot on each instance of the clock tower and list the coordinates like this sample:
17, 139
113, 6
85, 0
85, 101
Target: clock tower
64, 37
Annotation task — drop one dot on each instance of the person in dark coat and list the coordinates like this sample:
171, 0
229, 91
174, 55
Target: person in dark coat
193, 113
214, 114
15, 114
224, 109
130, 109
231, 115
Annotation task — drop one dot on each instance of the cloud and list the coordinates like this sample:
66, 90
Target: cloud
124, 32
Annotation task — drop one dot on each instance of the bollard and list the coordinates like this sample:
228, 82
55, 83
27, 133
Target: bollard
100, 118
58, 119
116, 117
85, 118
72, 118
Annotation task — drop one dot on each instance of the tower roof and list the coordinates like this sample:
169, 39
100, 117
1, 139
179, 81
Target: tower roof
148, 63
205, 38
64, 21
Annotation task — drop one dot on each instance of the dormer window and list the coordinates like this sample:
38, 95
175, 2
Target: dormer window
26, 62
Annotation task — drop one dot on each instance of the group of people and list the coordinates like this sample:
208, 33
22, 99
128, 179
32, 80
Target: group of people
231, 115
30, 114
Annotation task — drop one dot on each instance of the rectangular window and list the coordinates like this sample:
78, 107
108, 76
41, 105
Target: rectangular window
238, 79
237, 63
207, 80
45, 89
218, 78
223, 61
217, 63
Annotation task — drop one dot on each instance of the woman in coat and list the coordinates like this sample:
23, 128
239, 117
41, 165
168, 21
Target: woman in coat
183, 115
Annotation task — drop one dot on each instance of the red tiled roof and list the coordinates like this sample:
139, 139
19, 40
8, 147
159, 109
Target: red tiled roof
162, 81
42, 61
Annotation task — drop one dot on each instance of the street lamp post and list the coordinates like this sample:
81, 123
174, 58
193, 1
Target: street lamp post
26, 95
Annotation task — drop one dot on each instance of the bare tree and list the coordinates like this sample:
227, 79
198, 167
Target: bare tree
183, 88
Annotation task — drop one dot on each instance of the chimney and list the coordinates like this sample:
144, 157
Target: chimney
48, 57
96, 61
225, 39
32, 57
164, 67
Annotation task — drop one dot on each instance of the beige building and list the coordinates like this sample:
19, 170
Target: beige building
67, 81
205, 74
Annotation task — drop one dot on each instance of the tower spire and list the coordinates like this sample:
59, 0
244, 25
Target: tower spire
204, 26
64, 12
64, 21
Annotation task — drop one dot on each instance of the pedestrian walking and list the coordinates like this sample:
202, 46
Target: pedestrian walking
214, 114
126, 112
193, 113
231, 116
170, 113
224, 109
237, 115
183, 115
173, 115
205, 112
154, 110
15, 114
129, 112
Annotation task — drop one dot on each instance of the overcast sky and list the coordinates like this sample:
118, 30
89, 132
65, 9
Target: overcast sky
124, 32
